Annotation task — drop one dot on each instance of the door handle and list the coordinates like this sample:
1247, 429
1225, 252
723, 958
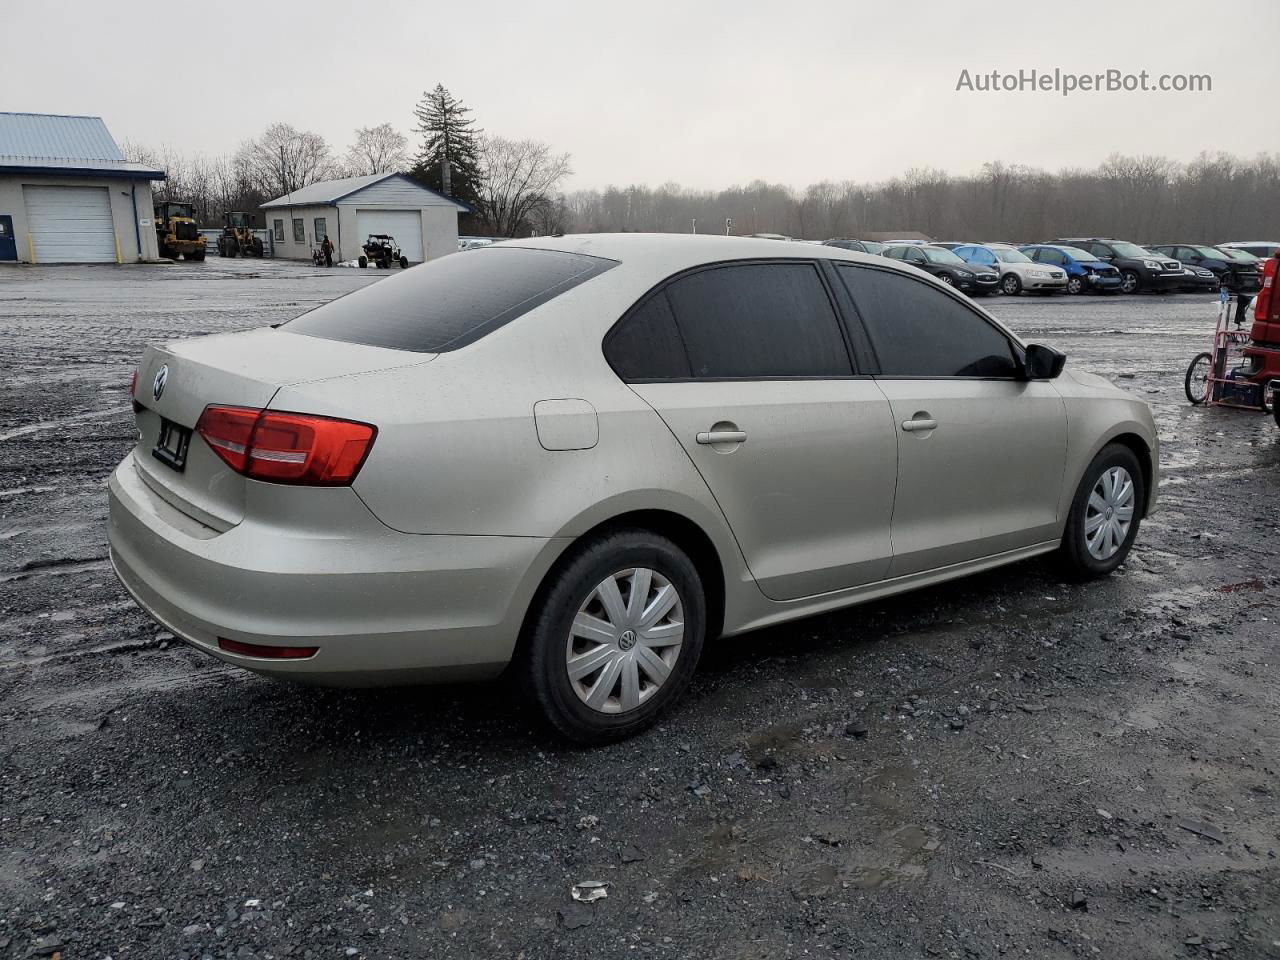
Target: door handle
912, 426
722, 436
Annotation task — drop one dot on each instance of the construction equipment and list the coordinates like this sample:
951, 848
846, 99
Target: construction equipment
176, 231
238, 237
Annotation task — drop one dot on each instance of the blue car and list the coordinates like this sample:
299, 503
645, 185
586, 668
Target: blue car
1085, 272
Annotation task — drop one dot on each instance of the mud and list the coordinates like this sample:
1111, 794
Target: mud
1000, 766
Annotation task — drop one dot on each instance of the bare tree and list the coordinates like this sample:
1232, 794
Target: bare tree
284, 159
519, 176
380, 149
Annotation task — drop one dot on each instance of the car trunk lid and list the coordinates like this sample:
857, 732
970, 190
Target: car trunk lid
176, 381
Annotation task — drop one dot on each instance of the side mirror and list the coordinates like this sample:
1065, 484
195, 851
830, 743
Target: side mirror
1043, 363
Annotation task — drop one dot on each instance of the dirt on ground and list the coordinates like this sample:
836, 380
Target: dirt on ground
1008, 765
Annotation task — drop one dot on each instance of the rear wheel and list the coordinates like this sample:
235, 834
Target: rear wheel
614, 637
1197, 379
1268, 390
1011, 285
1105, 514
404, 263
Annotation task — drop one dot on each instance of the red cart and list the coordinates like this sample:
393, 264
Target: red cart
1243, 368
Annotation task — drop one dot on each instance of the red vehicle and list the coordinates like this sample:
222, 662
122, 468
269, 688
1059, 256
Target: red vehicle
1243, 369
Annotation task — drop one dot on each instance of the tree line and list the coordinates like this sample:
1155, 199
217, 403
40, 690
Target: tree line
514, 188
1214, 198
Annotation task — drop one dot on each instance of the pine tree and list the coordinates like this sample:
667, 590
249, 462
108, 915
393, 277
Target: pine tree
447, 130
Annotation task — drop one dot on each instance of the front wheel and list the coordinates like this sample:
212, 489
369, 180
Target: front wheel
364, 261
404, 263
614, 637
1105, 514
1011, 285
1197, 380
1075, 285
948, 279
1129, 282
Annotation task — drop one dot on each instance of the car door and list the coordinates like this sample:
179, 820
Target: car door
981, 452
759, 388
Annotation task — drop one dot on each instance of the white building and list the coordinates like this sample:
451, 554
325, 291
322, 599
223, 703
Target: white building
424, 223
67, 194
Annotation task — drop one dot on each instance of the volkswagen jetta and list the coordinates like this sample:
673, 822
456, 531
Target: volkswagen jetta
579, 458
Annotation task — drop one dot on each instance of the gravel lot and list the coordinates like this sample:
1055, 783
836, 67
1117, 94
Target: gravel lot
1008, 765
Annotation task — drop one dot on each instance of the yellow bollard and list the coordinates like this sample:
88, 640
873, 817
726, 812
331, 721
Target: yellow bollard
118, 259
31, 248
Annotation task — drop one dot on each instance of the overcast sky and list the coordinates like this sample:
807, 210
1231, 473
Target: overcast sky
707, 94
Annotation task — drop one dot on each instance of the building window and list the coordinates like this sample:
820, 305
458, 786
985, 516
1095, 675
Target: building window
299, 232
277, 227
321, 229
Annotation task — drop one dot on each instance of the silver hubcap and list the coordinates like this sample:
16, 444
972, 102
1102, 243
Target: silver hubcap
1110, 513
625, 640
1010, 285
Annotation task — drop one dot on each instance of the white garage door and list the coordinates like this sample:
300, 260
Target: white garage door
70, 224
404, 225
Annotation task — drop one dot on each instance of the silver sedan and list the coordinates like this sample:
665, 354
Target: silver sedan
577, 459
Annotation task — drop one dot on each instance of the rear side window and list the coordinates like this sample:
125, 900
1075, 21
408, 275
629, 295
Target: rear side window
921, 332
758, 320
647, 345
450, 302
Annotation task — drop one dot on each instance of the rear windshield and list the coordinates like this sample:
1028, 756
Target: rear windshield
448, 303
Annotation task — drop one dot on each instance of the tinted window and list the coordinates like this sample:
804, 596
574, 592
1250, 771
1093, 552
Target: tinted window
921, 332
646, 345
1052, 256
758, 320
450, 302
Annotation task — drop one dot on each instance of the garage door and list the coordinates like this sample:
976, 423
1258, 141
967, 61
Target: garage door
70, 224
404, 225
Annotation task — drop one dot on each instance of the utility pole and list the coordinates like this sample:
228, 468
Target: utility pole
446, 180
695, 224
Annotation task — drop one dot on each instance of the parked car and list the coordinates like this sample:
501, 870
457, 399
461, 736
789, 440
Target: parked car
1085, 272
1236, 276
949, 244
1262, 249
861, 246
1015, 270
1199, 280
393, 488
946, 266
1140, 269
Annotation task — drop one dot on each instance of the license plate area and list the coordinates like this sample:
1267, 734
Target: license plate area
171, 450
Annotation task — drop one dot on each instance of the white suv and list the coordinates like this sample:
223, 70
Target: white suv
1017, 271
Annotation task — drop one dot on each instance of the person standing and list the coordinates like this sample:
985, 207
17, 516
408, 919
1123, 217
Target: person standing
327, 247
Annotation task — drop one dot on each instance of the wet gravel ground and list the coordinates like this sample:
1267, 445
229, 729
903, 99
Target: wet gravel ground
1007, 765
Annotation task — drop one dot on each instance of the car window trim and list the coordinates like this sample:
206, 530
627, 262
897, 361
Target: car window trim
1016, 349
660, 289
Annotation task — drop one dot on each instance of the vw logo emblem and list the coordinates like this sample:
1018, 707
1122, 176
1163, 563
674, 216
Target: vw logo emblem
162, 377
627, 640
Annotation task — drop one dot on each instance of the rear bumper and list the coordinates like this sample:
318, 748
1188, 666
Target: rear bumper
382, 607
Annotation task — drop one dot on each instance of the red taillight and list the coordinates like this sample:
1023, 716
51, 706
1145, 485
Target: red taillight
264, 651
287, 447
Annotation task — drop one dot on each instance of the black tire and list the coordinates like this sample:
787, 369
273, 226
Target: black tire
404, 263
544, 642
1130, 282
1268, 396
1193, 377
1075, 285
1275, 410
257, 248
1011, 284
1076, 560
364, 261
948, 279
198, 255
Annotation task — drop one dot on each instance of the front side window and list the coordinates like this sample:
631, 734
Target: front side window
918, 331
299, 231
449, 302
277, 230
761, 320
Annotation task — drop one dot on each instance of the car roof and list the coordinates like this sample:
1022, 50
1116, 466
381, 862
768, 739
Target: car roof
675, 251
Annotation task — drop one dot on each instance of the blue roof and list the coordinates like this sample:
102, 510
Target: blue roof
50, 143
